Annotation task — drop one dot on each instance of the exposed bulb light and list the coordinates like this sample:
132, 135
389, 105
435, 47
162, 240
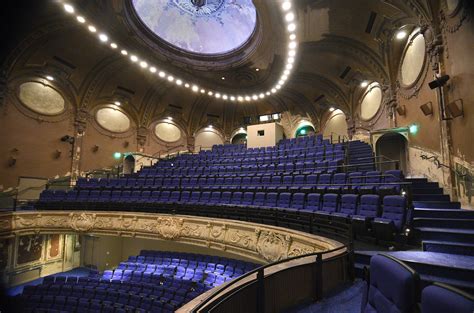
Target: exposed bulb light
134, 58
223, 78
257, 69
80, 19
289, 66
218, 95
195, 88
292, 53
331, 109
225, 97
117, 103
203, 91
401, 35
179, 82
290, 60
124, 52
261, 96
186, 85
289, 17
273, 90
210, 93
170, 78
68, 8
292, 45
103, 38
291, 27
49, 77
268, 93
292, 37
247, 98
143, 64
113, 45
240, 98
286, 5
153, 69
162, 74
92, 28
232, 98
255, 97
364, 84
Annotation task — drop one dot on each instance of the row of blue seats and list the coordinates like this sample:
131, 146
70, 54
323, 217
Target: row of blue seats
393, 286
309, 180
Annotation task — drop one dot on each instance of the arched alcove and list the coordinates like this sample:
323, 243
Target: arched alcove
393, 146
129, 165
336, 126
206, 138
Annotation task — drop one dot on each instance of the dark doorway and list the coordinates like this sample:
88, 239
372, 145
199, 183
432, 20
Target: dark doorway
393, 146
239, 139
129, 165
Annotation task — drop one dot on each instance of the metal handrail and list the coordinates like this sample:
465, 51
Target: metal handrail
208, 299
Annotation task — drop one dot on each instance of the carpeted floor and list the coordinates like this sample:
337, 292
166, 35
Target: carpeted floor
79, 272
346, 301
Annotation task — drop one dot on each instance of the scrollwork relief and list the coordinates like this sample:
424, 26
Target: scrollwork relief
273, 246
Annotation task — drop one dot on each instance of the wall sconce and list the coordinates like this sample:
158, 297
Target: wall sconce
126, 144
401, 110
456, 108
57, 154
68, 139
95, 148
427, 108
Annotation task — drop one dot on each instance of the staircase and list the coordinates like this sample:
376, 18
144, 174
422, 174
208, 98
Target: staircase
439, 223
360, 152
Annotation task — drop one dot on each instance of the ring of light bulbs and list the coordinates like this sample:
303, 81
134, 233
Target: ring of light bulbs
289, 17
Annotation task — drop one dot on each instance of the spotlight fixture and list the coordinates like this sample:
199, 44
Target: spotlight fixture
364, 84
117, 103
439, 82
331, 109
223, 77
49, 77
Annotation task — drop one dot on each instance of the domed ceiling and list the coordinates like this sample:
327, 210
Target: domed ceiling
203, 27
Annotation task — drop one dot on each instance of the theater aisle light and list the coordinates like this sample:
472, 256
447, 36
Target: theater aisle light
289, 19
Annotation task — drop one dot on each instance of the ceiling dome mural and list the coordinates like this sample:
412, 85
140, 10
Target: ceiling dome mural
200, 26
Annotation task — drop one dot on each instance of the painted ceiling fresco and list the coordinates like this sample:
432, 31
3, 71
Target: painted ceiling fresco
217, 27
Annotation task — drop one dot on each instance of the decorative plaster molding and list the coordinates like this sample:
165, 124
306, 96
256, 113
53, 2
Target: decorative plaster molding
261, 243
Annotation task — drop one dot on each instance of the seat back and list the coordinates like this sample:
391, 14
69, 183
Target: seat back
284, 200
394, 208
313, 202
349, 204
330, 202
392, 286
441, 298
369, 205
297, 201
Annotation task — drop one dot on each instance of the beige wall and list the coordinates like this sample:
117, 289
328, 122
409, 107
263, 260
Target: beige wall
206, 139
273, 133
336, 125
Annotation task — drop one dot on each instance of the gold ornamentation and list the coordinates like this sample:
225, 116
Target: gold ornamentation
169, 227
273, 246
82, 222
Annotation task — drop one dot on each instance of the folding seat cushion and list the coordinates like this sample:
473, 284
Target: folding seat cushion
287, 181
348, 206
297, 201
393, 218
369, 208
313, 202
321, 167
185, 195
441, 298
330, 204
392, 286
299, 180
276, 180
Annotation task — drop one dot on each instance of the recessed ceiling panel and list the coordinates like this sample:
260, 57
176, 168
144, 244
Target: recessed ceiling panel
200, 26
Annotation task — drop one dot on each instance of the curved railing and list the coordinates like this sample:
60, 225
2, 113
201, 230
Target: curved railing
272, 287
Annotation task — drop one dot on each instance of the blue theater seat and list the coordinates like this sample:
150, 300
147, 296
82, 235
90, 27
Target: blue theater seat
348, 206
284, 200
271, 200
369, 208
313, 202
330, 204
372, 179
298, 201
391, 177
392, 287
441, 298
392, 220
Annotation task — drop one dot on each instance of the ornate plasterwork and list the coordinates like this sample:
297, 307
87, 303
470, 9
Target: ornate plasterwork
258, 242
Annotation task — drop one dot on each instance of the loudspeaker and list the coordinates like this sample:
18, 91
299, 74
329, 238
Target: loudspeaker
401, 110
427, 108
439, 82
455, 108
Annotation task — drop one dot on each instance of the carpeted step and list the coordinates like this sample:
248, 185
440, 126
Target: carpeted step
463, 223
460, 248
427, 185
417, 180
427, 191
430, 197
443, 213
446, 234
436, 204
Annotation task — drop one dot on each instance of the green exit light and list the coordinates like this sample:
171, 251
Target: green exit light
117, 155
413, 129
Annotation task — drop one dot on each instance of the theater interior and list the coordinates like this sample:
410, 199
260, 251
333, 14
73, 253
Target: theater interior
237, 156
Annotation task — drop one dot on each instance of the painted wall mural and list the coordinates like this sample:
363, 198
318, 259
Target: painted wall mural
29, 249
217, 27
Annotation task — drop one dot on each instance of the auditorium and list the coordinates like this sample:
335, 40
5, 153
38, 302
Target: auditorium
237, 156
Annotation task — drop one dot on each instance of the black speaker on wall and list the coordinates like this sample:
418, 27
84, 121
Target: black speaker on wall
427, 108
439, 82
455, 108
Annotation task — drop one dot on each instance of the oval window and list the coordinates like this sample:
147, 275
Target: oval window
112, 120
41, 99
371, 102
413, 60
167, 132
